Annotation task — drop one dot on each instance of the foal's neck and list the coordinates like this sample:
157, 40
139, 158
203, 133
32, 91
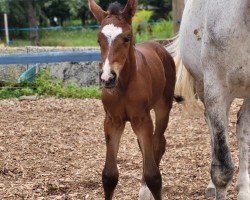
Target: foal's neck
129, 68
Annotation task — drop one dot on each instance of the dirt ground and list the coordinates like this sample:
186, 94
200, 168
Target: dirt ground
54, 149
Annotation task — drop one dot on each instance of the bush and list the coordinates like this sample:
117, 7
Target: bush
48, 86
141, 18
163, 29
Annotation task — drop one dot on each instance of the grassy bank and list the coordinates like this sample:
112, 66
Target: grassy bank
47, 86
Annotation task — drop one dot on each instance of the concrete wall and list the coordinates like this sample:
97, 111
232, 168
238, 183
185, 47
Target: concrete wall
83, 73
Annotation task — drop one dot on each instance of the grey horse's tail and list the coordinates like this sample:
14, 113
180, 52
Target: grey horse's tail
185, 83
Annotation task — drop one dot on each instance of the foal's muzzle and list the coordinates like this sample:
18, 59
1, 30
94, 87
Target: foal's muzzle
111, 82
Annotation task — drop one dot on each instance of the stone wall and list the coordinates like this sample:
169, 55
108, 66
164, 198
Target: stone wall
82, 73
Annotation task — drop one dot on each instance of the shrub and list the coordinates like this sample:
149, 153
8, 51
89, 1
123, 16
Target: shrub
47, 85
140, 21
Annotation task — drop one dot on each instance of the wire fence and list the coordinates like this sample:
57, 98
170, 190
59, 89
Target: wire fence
75, 27
37, 28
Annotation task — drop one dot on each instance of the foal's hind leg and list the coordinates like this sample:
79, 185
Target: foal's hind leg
113, 129
162, 110
243, 135
143, 128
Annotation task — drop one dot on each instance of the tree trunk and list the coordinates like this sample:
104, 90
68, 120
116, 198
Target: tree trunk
178, 7
31, 9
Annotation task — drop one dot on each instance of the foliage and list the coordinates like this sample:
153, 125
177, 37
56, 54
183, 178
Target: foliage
104, 3
61, 9
4, 6
163, 29
48, 86
72, 22
142, 17
161, 2
7, 93
18, 18
69, 10
166, 31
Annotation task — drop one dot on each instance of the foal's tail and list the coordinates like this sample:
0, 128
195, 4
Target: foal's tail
185, 83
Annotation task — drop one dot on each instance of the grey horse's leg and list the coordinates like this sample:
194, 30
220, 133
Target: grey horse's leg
217, 102
243, 135
210, 190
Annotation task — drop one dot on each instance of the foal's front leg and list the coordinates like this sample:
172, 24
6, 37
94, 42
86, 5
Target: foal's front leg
113, 129
143, 128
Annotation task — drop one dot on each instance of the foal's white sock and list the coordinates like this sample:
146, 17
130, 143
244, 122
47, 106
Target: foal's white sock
145, 194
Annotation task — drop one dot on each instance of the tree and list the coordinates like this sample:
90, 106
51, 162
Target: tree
4, 6
163, 5
32, 18
18, 18
178, 7
62, 9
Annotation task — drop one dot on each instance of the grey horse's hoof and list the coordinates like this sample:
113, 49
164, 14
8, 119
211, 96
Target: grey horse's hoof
210, 192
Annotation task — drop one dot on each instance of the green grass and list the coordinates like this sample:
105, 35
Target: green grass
7, 93
84, 37
47, 86
88, 37
20, 43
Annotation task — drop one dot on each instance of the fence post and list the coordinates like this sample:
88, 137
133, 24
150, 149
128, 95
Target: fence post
178, 7
6, 29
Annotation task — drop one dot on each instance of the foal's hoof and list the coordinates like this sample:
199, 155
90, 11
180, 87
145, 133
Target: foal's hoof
210, 192
145, 194
243, 196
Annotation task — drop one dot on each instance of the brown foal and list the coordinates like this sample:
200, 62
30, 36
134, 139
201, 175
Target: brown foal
135, 79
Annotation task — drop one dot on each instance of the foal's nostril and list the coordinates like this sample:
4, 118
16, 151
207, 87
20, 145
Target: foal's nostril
113, 75
100, 74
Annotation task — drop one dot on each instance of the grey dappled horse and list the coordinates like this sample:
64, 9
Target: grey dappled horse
214, 46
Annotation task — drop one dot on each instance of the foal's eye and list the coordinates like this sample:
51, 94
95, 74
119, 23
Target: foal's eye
127, 39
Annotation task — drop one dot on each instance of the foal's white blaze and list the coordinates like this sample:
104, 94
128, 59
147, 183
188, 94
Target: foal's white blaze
106, 71
111, 32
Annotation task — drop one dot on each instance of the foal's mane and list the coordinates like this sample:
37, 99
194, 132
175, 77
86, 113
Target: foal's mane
115, 8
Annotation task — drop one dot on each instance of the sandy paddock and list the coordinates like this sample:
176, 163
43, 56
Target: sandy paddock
54, 149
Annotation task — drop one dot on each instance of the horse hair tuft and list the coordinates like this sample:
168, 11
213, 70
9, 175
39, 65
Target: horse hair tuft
115, 8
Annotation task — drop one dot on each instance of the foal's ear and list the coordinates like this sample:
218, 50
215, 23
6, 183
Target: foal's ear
129, 10
97, 11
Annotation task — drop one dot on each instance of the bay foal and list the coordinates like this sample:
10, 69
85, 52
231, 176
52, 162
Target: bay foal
135, 79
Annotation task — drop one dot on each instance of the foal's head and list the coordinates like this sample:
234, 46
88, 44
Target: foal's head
114, 37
